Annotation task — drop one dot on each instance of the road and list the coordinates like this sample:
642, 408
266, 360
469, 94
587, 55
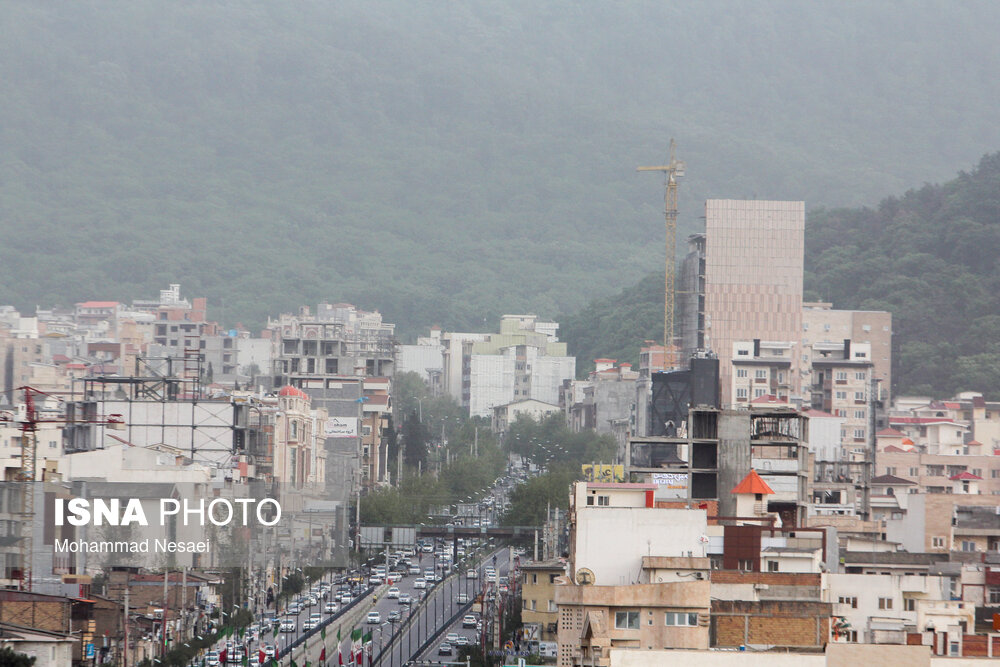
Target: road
430, 654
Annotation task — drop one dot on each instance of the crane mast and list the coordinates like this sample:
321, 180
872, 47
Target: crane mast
671, 172
29, 421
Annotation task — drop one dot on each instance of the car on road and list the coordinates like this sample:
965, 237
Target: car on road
463, 598
212, 659
308, 625
469, 621
414, 569
331, 608
472, 574
462, 641
427, 548
392, 593
445, 649
393, 616
373, 618
345, 598
293, 609
268, 651
404, 598
451, 637
376, 580
288, 626
419, 584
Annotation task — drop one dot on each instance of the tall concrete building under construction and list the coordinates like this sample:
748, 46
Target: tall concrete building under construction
742, 280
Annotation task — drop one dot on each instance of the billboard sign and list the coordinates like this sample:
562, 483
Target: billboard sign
342, 427
603, 472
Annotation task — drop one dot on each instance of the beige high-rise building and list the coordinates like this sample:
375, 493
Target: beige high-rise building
753, 270
822, 324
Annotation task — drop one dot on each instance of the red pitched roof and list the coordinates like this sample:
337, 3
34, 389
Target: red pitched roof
891, 433
894, 448
964, 475
752, 483
289, 390
975, 443
769, 399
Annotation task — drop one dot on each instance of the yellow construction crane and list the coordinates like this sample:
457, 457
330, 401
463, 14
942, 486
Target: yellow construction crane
671, 173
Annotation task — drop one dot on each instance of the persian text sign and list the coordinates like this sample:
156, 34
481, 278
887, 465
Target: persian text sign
342, 427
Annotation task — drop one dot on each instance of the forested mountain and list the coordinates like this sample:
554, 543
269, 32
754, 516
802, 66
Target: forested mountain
446, 162
930, 257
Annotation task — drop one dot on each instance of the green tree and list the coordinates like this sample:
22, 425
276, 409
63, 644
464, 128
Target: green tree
10, 658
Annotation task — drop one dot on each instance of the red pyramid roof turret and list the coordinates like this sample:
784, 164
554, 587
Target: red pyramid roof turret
752, 483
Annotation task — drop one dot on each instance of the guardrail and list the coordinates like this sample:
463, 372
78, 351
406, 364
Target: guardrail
354, 606
414, 617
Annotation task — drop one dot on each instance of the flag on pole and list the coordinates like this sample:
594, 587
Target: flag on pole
275, 630
356, 646
292, 663
322, 656
367, 641
340, 650
322, 633
261, 658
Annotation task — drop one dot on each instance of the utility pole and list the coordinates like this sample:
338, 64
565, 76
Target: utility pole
125, 648
671, 172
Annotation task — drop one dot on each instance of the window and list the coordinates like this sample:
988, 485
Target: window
841, 375
590, 500
603, 501
681, 618
859, 433
859, 396
772, 566
910, 604
534, 578
995, 596
552, 606
626, 620
968, 545
741, 393
851, 636
859, 414
53, 444
885, 603
743, 353
760, 374
842, 395
995, 473
757, 393
914, 472
890, 470
978, 472
861, 375
741, 372
745, 564
866, 327
853, 601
